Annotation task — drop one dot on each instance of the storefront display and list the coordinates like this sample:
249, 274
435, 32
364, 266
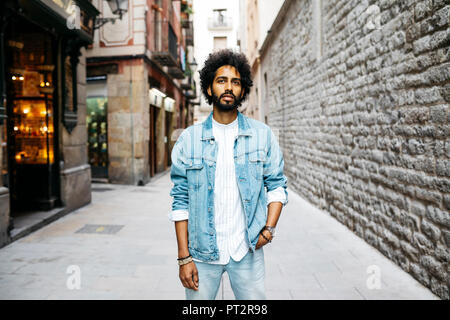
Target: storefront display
33, 131
30, 123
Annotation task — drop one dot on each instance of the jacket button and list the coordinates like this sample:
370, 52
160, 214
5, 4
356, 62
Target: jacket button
209, 209
209, 188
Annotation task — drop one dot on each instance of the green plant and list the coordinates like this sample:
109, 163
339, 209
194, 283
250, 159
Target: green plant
186, 9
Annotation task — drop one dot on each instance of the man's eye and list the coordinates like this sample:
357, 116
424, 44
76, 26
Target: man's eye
237, 83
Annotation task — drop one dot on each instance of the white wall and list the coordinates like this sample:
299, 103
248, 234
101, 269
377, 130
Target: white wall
268, 11
116, 36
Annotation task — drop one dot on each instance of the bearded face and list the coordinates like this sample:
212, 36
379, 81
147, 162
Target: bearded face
226, 88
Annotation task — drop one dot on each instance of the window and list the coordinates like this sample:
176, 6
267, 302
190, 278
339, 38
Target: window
220, 43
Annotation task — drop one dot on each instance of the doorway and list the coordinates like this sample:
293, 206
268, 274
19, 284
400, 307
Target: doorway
97, 127
154, 112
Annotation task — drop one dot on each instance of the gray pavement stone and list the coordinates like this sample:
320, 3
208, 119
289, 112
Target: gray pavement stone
312, 257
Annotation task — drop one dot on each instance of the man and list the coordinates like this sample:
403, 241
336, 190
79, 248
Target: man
220, 170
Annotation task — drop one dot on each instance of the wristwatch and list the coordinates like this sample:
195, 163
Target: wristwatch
271, 230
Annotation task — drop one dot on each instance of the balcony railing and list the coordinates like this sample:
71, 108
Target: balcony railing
176, 72
189, 35
186, 84
184, 20
165, 46
220, 23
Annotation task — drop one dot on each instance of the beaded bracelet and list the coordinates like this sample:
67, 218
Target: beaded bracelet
261, 233
184, 258
185, 261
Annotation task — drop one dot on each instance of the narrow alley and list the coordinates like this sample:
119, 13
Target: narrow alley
122, 246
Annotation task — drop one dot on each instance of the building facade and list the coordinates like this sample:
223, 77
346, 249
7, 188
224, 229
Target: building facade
138, 89
359, 93
255, 26
43, 108
216, 25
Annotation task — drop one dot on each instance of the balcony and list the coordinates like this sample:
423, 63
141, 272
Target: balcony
165, 46
176, 72
186, 84
220, 22
184, 20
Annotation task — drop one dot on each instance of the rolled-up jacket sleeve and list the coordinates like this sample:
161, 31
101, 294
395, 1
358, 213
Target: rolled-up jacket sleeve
179, 192
274, 179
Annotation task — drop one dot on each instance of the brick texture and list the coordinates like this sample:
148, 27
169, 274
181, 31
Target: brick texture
365, 128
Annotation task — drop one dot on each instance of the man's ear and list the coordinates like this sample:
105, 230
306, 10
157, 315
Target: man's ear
242, 93
209, 91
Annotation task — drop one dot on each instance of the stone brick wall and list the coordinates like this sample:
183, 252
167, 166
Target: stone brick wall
365, 124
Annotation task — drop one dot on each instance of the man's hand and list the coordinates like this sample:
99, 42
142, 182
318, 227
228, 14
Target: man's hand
189, 276
261, 241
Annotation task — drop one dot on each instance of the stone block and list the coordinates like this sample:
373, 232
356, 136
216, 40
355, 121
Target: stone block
443, 168
410, 251
421, 242
440, 288
76, 186
430, 230
75, 156
422, 9
438, 216
433, 266
77, 137
420, 274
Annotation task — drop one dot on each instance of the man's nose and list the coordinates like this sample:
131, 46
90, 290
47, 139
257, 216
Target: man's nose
228, 86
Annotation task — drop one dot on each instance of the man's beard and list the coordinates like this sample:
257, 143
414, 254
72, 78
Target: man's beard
224, 106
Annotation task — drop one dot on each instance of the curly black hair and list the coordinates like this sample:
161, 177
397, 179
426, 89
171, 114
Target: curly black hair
223, 58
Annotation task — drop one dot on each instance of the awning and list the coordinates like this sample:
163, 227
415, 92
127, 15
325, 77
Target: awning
69, 17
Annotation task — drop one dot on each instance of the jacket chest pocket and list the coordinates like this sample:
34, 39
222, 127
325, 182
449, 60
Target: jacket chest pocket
195, 176
257, 159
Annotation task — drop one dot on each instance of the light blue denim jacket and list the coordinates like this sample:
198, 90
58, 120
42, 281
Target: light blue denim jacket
259, 166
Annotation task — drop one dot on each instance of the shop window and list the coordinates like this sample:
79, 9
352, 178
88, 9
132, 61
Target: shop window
30, 169
31, 89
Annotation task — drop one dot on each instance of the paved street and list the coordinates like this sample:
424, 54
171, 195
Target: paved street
312, 257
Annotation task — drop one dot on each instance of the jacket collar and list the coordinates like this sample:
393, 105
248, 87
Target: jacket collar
243, 127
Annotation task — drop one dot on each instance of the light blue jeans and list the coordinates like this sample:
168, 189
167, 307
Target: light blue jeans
246, 278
